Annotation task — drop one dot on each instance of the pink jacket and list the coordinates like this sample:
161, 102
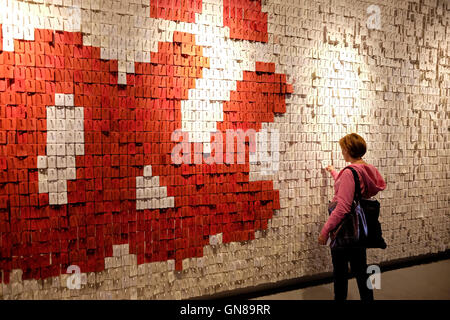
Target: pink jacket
371, 183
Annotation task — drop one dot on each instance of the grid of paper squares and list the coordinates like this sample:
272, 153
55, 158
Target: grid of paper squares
389, 85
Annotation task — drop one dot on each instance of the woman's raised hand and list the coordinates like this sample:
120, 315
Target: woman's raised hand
329, 168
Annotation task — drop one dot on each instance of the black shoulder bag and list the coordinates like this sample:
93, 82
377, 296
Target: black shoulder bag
360, 227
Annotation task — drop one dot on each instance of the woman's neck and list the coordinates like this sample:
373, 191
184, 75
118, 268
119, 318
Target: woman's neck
360, 160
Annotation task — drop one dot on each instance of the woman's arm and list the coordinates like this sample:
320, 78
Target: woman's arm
344, 198
334, 174
332, 171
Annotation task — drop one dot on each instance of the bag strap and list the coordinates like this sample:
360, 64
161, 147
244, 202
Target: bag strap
357, 195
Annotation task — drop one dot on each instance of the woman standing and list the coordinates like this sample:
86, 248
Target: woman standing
353, 148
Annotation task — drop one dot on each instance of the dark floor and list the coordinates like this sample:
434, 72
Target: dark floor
422, 282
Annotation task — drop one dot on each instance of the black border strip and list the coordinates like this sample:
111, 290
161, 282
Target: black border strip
318, 279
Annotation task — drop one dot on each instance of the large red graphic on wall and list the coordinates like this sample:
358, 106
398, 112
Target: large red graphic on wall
125, 128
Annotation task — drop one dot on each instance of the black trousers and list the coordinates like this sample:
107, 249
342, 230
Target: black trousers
358, 263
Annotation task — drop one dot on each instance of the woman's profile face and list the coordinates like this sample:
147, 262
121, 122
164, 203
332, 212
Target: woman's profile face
345, 154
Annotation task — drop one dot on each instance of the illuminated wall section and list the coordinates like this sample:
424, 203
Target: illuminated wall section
91, 93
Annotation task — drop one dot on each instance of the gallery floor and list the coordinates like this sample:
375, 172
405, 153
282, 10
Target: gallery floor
421, 282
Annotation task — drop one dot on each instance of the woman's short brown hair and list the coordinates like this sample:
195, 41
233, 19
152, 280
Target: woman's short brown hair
354, 144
